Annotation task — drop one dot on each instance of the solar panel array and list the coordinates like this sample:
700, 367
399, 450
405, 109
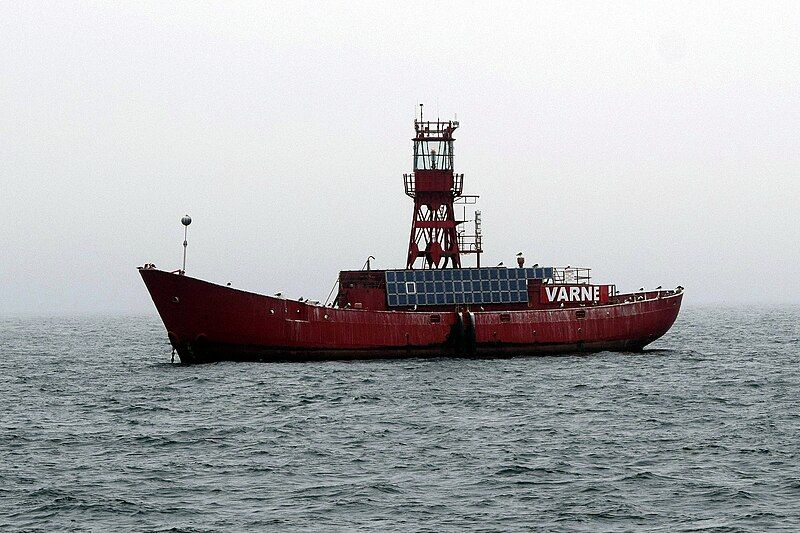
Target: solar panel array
461, 285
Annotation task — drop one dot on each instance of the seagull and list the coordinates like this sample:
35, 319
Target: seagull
229, 284
278, 294
658, 288
519, 254
567, 267
500, 264
300, 299
641, 288
537, 264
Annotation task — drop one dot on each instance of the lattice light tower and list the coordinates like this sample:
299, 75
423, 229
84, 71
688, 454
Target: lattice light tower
435, 188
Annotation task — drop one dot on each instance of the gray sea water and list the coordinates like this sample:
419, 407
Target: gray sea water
701, 432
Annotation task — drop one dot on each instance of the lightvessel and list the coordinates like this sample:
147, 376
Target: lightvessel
434, 306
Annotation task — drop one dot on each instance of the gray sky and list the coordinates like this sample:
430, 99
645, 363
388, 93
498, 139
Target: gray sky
658, 143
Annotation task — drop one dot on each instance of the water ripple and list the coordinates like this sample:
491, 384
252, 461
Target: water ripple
99, 432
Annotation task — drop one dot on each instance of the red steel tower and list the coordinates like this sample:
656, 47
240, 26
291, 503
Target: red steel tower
434, 187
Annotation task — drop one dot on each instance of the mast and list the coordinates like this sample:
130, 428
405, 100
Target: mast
435, 188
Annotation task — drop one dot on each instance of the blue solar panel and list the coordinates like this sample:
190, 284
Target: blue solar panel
464, 285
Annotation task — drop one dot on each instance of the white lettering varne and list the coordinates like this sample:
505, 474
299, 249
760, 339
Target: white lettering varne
573, 294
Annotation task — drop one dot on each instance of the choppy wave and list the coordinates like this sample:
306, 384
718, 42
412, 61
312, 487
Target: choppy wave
700, 433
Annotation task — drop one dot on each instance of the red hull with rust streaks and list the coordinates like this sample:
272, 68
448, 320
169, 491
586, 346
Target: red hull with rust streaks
208, 322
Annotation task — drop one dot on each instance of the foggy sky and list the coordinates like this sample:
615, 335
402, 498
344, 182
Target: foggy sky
658, 143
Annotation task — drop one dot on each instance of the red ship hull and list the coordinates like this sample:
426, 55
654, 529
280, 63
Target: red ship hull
208, 322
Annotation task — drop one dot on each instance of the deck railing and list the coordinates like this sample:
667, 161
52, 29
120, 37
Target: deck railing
572, 275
